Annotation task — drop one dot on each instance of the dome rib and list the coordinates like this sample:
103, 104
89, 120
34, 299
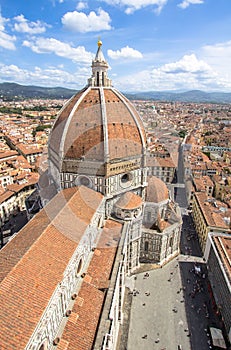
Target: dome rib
122, 97
104, 123
61, 148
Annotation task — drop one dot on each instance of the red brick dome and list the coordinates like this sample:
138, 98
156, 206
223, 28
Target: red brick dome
98, 124
156, 191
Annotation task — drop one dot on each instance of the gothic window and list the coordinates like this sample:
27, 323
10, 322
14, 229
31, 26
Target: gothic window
146, 246
79, 267
97, 81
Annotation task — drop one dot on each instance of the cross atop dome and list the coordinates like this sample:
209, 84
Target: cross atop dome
99, 69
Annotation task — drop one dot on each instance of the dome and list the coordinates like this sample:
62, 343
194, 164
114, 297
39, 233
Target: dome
129, 201
98, 125
128, 206
156, 191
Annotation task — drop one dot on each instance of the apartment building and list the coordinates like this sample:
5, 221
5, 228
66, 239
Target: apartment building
209, 215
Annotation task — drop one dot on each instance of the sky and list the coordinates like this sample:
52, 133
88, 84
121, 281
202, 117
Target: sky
150, 45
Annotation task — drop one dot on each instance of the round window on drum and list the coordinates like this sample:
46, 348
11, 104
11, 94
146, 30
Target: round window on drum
126, 179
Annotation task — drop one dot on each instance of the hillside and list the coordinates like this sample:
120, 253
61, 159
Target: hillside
196, 96
9, 91
13, 91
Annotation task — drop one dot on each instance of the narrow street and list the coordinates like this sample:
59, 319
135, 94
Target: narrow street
13, 225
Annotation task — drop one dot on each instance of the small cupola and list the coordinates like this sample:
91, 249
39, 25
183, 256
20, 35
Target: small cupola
99, 70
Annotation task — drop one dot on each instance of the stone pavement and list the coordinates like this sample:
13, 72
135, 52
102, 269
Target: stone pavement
157, 317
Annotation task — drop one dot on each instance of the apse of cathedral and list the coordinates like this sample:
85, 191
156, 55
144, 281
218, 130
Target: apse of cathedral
63, 276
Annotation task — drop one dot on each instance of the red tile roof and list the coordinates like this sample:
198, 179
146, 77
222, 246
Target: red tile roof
129, 200
32, 264
80, 330
223, 245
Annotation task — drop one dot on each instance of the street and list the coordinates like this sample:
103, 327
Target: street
13, 225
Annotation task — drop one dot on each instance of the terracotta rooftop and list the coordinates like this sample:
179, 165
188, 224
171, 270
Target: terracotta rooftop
156, 190
223, 246
212, 214
80, 330
29, 149
6, 195
8, 154
202, 183
129, 201
160, 162
33, 262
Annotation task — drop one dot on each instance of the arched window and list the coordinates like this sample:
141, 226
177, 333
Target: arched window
43, 346
79, 267
97, 79
146, 246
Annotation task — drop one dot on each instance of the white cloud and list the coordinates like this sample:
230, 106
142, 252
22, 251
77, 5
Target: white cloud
6, 40
218, 56
80, 22
186, 3
188, 64
59, 48
125, 52
134, 5
81, 6
24, 26
186, 74
51, 76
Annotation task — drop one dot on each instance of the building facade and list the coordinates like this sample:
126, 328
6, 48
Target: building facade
218, 256
209, 216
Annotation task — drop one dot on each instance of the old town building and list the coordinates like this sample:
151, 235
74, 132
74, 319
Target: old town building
218, 255
209, 215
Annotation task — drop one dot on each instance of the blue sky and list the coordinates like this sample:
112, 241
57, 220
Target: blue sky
149, 44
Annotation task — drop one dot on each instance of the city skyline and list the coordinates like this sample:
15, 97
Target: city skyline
149, 44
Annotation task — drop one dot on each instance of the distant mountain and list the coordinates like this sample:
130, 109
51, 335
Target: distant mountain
9, 91
188, 96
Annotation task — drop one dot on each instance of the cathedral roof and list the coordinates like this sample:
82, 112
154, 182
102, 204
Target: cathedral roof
98, 124
80, 329
33, 263
156, 191
129, 200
